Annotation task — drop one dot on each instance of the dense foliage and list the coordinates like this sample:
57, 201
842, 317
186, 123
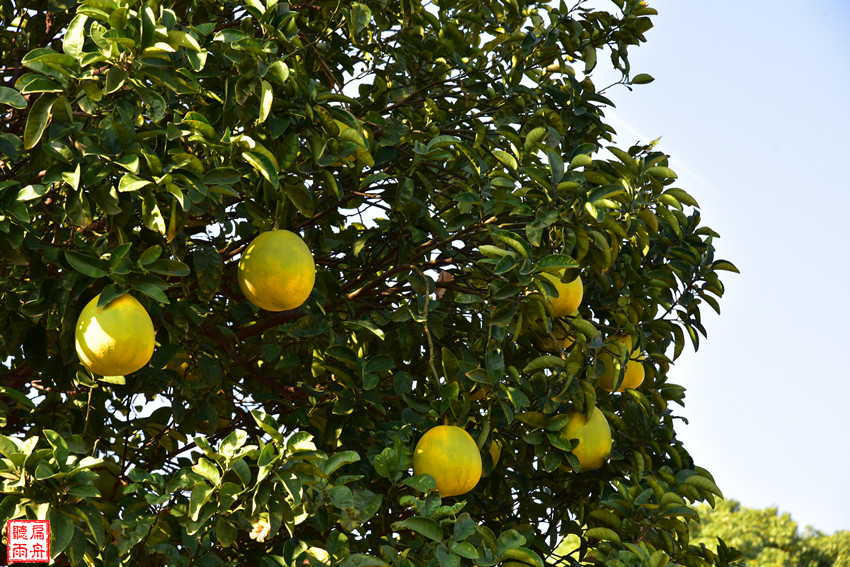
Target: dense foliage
766, 538
437, 159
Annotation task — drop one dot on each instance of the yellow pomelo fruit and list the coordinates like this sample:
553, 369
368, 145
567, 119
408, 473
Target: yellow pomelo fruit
569, 297
450, 455
635, 371
277, 271
114, 340
594, 438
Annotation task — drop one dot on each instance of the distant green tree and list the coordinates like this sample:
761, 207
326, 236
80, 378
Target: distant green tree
766, 538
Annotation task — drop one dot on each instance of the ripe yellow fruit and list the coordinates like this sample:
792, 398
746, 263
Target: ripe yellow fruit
450, 455
114, 340
569, 295
634, 373
277, 271
594, 438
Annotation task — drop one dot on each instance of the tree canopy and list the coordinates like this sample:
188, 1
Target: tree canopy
437, 158
766, 538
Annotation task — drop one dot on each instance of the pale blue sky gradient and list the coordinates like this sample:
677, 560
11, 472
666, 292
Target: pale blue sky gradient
751, 101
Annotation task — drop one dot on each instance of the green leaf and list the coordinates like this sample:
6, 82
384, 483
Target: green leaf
268, 424
542, 362
421, 525
34, 83
208, 470
556, 164
233, 442
11, 97
132, 182
533, 136
421, 483
72, 43
359, 16
661, 172
602, 533
169, 268
225, 532
17, 396
266, 98
533, 418
557, 261
506, 159
94, 519
177, 38
341, 497
581, 160
279, 71
151, 290
362, 560
85, 264
465, 549
386, 463
724, 265
642, 79
704, 484
524, 555
37, 119
338, 460
508, 540
264, 166
115, 78
61, 530
200, 495
682, 196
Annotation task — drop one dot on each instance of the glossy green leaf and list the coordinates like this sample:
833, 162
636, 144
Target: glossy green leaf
421, 525
92, 267
72, 43
11, 97
263, 165
37, 119
642, 79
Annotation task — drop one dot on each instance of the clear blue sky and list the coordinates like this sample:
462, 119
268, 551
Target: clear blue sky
751, 101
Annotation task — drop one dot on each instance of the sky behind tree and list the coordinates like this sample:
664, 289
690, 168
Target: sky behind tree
750, 102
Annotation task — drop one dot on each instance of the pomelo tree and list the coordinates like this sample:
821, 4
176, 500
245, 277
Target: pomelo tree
438, 159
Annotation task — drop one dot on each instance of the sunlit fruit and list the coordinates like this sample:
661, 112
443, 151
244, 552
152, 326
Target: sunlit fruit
634, 372
116, 339
451, 457
569, 297
594, 438
277, 271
